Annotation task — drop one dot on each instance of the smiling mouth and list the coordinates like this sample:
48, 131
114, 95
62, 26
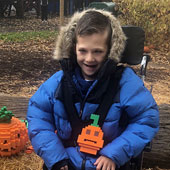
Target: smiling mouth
90, 66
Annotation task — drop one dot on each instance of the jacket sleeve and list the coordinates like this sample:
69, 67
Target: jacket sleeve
143, 120
41, 127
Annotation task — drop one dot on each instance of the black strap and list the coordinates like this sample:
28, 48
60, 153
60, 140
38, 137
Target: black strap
83, 165
108, 98
68, 92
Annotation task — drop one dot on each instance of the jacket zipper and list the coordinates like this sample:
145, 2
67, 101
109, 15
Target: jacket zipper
82, 107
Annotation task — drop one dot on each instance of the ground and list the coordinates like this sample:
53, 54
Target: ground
24, 66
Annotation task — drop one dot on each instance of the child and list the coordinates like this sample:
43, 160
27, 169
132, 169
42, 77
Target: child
89, 49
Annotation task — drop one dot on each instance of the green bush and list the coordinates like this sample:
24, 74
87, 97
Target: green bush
152, 15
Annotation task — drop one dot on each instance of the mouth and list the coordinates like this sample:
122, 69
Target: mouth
90, 66
90, 141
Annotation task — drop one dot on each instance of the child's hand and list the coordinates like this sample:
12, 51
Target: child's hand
64, 167
104, 163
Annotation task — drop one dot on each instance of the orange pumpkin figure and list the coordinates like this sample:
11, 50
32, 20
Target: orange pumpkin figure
91, 138
146, 49
13, 134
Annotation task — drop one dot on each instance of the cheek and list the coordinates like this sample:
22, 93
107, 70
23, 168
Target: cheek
101, 60
80, 57
76, 50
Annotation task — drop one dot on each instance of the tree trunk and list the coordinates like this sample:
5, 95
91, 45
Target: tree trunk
160, 153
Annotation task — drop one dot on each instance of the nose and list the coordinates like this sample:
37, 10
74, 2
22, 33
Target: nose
90, 57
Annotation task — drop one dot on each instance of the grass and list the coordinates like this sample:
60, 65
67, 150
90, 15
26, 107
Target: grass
27, 36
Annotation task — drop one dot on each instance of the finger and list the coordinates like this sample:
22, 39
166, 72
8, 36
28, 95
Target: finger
99, 166
113, 167
65, 167
105, 167
108, 168
97, 161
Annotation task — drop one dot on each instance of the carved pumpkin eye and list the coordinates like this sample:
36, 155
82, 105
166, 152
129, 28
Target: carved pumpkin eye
96, 133
5, 141
88, 132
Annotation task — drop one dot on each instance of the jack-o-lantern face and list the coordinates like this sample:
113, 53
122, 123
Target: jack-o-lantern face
13, 134
91, 139
13, 137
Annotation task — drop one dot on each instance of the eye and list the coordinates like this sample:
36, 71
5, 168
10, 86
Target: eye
96, 133
98, 51
87, 131
82, 50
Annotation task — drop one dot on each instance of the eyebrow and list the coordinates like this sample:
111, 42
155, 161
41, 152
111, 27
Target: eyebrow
95, 49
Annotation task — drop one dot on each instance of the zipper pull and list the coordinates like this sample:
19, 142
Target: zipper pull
81, 111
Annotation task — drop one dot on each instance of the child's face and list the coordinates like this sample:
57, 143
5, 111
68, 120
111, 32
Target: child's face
91, 52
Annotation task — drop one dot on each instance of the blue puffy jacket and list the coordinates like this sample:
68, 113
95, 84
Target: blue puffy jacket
46, 114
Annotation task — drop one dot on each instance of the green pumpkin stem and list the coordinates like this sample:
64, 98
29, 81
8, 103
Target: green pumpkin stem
5, 116
95, 120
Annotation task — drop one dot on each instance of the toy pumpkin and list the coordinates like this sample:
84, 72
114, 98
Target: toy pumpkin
13, 133
146, 49
91, 138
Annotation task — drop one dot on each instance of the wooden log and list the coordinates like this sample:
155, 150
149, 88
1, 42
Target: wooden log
18, 105
160, 153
